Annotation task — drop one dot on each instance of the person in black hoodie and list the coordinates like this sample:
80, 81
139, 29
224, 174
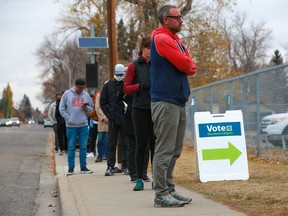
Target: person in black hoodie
113, 108
61, 127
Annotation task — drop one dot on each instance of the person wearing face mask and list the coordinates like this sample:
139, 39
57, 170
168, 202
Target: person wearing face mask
113, 108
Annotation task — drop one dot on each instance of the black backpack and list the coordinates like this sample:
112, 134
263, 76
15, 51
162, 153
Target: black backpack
58, 116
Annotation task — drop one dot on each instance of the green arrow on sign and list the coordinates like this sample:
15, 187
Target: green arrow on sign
231, 153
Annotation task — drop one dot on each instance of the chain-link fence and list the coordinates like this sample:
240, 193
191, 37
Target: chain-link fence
257, 94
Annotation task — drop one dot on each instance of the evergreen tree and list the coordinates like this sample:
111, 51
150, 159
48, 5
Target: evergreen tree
122, 41
276, 58
25, 107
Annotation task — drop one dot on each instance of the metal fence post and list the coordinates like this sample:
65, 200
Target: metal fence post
258, 117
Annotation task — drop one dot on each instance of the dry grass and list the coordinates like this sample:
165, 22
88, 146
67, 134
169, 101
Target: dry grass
265, 193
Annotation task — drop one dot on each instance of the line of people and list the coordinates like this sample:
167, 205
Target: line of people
145, 113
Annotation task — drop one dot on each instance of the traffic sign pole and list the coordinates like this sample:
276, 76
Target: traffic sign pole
92, 34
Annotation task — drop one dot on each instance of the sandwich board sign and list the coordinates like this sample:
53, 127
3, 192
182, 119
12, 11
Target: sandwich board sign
220, 146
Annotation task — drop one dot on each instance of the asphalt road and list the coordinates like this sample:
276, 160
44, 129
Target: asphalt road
25, 180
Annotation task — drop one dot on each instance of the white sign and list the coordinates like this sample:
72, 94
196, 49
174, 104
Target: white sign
221, 146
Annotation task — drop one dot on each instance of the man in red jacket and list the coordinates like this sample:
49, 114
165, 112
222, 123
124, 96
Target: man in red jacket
170, 65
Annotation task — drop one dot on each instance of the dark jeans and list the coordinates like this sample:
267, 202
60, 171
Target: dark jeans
62, 138
115, 131
102, 145
145, 137
56, 137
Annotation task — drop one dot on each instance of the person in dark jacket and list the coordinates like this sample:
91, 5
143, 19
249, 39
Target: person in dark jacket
61, 128
131, 142
113, 108
137, 82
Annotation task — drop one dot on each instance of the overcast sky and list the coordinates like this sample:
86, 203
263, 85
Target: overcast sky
25, 23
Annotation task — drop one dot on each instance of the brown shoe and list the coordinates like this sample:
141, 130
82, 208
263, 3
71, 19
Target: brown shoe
104, 158
98, 160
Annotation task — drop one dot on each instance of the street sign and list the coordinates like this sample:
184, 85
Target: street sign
93, 42
220, 146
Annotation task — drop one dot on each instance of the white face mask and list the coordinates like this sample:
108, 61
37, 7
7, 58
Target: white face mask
118, 78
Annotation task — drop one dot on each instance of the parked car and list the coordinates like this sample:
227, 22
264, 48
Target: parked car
15, 121
47, 123
31, 122
275, 126
4, 122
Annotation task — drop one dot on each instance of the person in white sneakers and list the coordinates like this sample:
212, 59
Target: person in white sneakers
93, 131
74, 106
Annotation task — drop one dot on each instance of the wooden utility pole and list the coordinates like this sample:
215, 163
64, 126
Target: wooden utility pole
111, 25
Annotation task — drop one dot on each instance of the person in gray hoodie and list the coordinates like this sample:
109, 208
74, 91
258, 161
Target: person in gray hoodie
51, 116
74, 105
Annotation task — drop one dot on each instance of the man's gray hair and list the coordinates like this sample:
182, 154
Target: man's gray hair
164, 11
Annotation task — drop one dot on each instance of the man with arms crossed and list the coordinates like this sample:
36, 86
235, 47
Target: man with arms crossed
170, 65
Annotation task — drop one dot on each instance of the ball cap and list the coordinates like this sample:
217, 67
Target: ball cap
119, 69
80, 83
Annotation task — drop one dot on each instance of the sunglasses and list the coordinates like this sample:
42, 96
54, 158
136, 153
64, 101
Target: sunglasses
179, 18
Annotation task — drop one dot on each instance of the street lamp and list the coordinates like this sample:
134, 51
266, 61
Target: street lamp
62, 62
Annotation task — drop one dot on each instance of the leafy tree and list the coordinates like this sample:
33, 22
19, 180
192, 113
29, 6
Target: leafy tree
1, 105
276, 58
79, 16
219, 53
6, 104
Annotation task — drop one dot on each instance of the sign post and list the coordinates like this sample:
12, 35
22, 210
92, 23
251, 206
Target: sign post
92, 68
220, 146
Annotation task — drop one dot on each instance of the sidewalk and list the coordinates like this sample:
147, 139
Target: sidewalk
96, 194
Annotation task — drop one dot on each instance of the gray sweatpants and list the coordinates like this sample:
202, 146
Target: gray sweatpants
169, 128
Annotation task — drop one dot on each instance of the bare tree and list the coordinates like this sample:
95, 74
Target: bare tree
56, 63
248, 45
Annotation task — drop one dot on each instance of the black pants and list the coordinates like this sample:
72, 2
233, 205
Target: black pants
131, 141
143, 127
92, 139
115, 131
62, 138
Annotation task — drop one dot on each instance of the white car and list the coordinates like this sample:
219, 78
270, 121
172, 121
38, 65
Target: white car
5, 122
15, 121
275, 126
48, 123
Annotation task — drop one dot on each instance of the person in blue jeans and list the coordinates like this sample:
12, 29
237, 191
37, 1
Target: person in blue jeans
102, 145
74, 105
